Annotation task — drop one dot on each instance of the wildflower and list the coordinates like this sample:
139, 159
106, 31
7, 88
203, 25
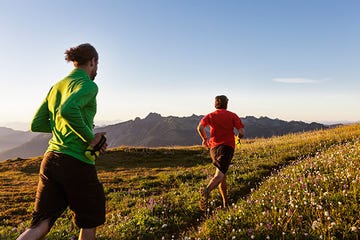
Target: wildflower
151, 203
268, 226
332, 224
315, 225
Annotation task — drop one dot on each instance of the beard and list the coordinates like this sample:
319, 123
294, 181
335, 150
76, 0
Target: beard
93, 75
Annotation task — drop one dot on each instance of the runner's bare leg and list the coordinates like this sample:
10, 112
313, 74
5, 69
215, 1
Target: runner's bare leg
216, 180
87, 234
223, 191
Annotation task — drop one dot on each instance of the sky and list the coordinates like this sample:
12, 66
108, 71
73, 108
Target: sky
286, 59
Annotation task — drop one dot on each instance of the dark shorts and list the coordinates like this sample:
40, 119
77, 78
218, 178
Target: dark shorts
65, 181
221, 157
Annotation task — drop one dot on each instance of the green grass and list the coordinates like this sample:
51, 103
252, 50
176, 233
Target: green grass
299, 186
317, 198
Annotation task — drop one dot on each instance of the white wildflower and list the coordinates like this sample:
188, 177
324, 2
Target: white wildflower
315, 225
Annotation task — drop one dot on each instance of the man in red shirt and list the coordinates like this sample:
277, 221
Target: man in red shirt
221, 144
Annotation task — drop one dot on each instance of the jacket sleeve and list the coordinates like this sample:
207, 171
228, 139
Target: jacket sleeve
41, 119
71, 111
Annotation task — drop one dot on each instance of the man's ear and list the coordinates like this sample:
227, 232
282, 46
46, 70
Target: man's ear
93, 62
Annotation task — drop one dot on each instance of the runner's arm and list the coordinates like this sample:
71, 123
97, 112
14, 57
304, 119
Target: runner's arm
239, 126
241, 132
41, 119
202, 133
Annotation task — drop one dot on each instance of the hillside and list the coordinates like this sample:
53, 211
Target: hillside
10, 138
297, 186
35, 147
158, 131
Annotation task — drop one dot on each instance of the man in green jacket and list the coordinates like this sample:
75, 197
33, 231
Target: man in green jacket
67, 177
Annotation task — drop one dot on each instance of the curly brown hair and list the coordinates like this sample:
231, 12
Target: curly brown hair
82, 54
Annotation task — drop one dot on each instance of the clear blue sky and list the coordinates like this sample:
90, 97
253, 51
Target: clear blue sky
290, 59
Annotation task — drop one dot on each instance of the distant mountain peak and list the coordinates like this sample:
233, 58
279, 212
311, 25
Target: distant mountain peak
153, 116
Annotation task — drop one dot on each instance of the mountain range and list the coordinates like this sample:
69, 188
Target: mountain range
152, 131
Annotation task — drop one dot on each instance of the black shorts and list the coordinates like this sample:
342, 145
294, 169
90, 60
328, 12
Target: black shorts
221, 157
66, 181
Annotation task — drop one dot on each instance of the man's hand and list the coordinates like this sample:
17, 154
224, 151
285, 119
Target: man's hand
205, 144
97, 139
240, 133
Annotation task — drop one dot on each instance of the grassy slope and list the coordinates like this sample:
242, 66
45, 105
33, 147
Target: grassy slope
314, 198
153, 193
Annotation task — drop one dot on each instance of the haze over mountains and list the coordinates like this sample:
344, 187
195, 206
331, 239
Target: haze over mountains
152, 131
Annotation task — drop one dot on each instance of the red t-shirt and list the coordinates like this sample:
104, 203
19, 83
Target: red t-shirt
222, 123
